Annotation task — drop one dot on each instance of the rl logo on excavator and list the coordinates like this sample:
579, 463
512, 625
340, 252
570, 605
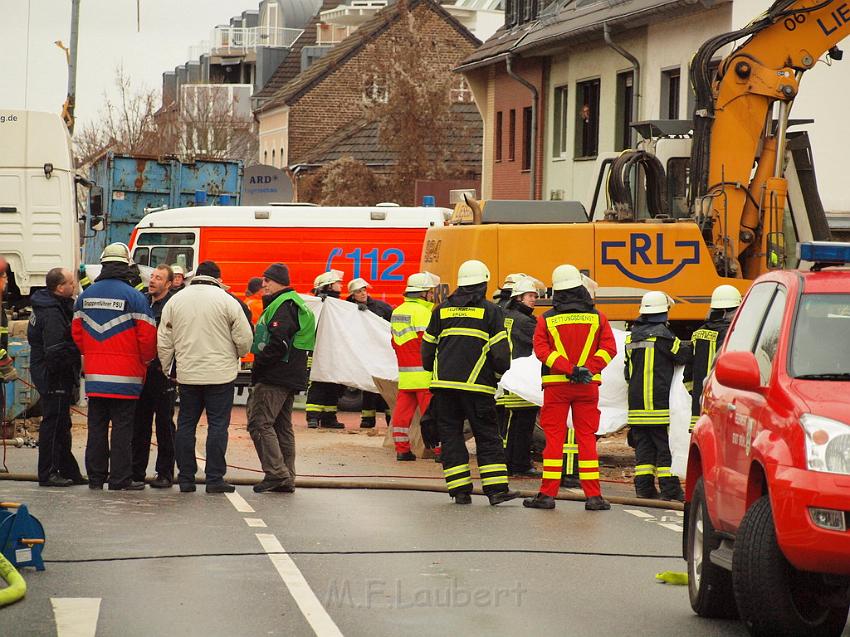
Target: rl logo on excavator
639, 258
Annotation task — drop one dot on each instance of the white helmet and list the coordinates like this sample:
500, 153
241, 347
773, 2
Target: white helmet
178, 269
472, 272
566, 277
524, 285
655, 302
511, 280
327, 278
357, 284
725, 297
421, 282
116, 252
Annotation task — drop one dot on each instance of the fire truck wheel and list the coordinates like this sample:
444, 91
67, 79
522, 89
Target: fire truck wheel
709, 585
773, 597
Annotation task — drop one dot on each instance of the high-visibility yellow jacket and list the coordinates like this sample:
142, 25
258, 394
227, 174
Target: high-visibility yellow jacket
408, 323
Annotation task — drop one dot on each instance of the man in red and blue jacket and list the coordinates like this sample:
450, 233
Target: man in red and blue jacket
115, 332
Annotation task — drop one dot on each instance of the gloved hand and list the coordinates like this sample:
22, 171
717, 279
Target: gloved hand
85, 281
361, 307
581, 375
8, 373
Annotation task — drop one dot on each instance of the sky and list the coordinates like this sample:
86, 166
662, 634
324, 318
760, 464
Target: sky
108, 38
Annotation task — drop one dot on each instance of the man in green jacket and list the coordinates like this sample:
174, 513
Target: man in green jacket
285, 333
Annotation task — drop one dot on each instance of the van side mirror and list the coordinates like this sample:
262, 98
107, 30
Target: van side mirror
738, 370
96, 223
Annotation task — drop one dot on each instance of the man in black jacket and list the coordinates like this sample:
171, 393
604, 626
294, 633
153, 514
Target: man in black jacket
372, 402
156, 402
285, 333
466, 348
55, 367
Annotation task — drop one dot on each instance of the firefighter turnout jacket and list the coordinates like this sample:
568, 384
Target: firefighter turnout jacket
519, 325
465, 345
566, 340
407, 324
652, 352
705, 342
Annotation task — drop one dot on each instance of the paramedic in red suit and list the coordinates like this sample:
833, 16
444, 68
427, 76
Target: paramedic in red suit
574, 342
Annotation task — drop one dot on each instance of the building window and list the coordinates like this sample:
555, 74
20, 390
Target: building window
526, 138
587, 119
559, 123
625, 102
265, 157
512, 135
498, 136
375, 91
460, 93
671, 82
273, 164
282, 158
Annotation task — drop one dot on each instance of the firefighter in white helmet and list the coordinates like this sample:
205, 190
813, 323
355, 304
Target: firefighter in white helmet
503, 297
358, 292
407, 324
322, 398
574, 342
706, 341
517, 416
652, 352
466, 349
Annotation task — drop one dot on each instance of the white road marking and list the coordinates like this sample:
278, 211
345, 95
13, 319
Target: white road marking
239, 503
672, 527
76, 616
308, 603
256, 522
672, 522
640, 514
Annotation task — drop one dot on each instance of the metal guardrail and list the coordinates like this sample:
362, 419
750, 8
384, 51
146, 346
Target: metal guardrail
236, 40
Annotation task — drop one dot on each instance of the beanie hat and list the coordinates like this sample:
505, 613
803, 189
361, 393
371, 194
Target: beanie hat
254, 284
277, 272
208, 268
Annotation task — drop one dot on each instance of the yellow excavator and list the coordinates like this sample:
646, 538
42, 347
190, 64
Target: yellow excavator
734, 209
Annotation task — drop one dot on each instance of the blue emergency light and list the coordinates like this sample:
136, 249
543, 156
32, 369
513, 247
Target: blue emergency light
824, 252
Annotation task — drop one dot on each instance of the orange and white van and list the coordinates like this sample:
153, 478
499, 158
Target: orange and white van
382, 243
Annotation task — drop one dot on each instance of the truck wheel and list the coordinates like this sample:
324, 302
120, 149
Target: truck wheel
709, 585
773, 597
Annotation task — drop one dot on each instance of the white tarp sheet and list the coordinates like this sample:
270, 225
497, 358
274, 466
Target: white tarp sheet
352, 346
523, 379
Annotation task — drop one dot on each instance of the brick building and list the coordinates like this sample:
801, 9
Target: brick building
337, 89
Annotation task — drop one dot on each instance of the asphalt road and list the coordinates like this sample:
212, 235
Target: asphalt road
349, 562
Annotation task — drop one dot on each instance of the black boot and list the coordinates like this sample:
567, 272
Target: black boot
596, 503
502, 496
312, 421
367, 422
407, 455
540, 501
55, 480
462, 498
330, 422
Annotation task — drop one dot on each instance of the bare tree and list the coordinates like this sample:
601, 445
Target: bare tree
343, 182
207, 122
410, 89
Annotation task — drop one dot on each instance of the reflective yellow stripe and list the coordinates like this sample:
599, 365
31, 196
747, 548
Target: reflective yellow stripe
589, 342
367, 413
496, 480
449, 384
554, 378
428, 338
648, 378
676, 344
550, 360
645, 470
459, 482
464, 331
455, 470
588, 476
461, 312
555, 463
490, 468
605, 356
664, 472
588, 464
498, 337
551, 475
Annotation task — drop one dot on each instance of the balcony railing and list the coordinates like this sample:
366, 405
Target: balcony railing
240, 40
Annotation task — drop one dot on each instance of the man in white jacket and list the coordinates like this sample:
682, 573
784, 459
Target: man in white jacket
204, 331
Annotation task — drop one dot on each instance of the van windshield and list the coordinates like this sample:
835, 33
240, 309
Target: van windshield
821, 347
